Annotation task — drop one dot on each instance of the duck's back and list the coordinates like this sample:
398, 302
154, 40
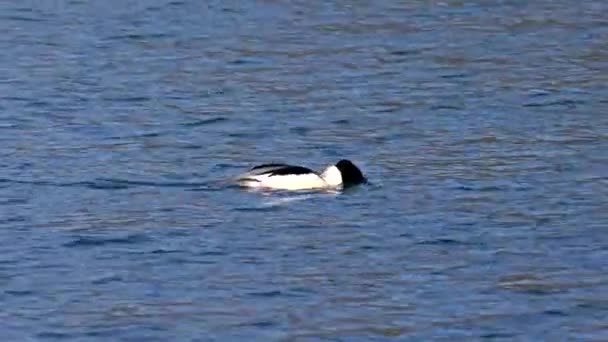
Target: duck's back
281, 177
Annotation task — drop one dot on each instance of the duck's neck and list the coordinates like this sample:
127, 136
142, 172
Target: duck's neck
332, 176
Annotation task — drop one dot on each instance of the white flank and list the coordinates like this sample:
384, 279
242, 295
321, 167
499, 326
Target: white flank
285, 182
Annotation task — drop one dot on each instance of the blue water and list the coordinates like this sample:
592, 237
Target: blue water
482, 126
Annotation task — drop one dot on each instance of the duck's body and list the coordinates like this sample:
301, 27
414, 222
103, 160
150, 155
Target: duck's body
291, 177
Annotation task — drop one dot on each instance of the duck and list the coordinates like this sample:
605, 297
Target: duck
278, 176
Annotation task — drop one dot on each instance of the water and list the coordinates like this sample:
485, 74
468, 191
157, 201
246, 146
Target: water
482, 126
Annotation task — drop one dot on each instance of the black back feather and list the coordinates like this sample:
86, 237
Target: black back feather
291, 170
271, 165
276, 169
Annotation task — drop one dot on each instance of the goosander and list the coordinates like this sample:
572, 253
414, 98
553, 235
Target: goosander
290, 177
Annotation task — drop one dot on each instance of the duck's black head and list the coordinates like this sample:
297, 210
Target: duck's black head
351, 175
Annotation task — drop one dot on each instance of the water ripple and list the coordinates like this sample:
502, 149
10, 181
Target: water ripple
90, 240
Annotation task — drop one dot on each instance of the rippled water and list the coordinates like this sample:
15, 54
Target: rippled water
483, 127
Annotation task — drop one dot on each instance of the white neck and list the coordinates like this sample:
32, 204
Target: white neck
332, 176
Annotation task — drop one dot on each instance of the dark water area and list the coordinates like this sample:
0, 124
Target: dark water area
482, 126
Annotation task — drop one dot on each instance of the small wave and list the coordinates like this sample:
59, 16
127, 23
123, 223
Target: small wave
270, 293
285, 200
115, 183
139, 37
128, 99
87, 241
559, 103
22, 18
443, 241
111, 184
204, 122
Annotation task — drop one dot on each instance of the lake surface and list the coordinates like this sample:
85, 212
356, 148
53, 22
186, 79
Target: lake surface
482, 126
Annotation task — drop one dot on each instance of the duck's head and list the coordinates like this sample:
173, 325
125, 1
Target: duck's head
344, 173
